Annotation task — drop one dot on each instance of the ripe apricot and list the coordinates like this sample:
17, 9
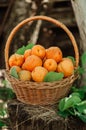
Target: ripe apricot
38, 50
24, 75
16, 59
27, 53
39, 73
18, 69
50, 64
66, 66
54, 53
31, 62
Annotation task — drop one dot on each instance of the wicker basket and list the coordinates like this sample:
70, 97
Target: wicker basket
43, 93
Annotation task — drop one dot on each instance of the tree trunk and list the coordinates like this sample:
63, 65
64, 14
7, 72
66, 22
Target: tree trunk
80, 15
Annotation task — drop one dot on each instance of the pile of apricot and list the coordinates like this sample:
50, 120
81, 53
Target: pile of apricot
36, 62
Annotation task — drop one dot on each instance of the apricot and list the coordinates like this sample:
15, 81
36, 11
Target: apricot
50, 64
66, 66
39, 73
39, 51
16, 60
27, 53
54, 53
18, 69
31, 62
24, 75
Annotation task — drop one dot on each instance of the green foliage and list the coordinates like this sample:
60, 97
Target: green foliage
81, 116
82, 69
81, 107
2, 124
81, 91
4, 120
22, 49
3, 110
14, 73
53, 76
73, 105
6, 93
69, 102
29, 46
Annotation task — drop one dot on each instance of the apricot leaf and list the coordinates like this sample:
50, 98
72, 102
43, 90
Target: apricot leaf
21, 50
29, 46
13, 72
53, 76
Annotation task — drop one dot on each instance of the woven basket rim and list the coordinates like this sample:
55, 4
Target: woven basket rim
70, 79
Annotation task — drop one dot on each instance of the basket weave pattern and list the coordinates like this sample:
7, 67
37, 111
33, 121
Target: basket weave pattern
43, 93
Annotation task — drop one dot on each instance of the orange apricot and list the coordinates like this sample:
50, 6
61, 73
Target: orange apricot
50, 64
27, 53
54, 53
66, 66
24, 75
16, 60
39, 73
39, 51
31, 62
18, 69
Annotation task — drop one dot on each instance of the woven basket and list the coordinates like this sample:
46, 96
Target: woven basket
43, 93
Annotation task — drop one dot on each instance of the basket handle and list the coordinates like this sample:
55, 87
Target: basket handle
56, 22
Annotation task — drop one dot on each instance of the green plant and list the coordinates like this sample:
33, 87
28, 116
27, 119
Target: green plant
6, 94
75, 103
22, 49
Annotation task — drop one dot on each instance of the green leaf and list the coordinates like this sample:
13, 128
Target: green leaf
80, 70
6, 93
81, 91
83, 88
2, 124
53, 76
69, 102
21, 50
80, 94
3, 112
63, 114
13, 72
29, 46
81, 116
62, 104
24, 48
76, 94
83, 59
74, 89
81, 107
71, 111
